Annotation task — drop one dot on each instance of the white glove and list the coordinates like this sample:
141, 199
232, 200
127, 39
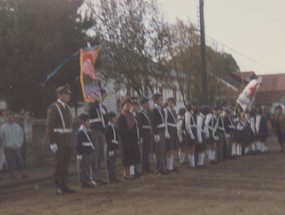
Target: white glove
228, 136
111, 153
79, 157
167, 136
102, 110
192, 137
156, 138
216, 138
53, 147
180, 139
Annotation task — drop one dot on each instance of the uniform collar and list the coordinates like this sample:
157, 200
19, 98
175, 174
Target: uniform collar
61, 102
83, 128
112, 124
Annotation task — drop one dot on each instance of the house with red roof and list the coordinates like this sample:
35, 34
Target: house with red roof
272, 89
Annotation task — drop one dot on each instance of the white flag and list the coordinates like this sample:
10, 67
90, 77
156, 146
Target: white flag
247, 96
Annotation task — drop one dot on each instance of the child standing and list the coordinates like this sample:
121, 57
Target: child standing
181, 132
84, 148
112, 147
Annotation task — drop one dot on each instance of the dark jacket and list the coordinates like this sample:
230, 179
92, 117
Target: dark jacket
59, 124
84, 141
98, 120
157, 120
143, 117
112, 138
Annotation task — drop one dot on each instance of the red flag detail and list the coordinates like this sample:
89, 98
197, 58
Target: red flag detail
89, 84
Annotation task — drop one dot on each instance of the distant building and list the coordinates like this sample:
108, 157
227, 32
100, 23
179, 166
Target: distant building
271, 90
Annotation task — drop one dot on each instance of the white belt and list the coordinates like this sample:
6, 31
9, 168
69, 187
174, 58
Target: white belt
146, 127
95, 120
62, 130
86, 144
171, 125
221, 128
161, 126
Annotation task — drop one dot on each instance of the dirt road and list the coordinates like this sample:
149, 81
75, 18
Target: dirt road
250, 185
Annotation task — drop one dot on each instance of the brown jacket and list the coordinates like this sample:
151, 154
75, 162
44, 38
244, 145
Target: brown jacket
281, 119
59, 126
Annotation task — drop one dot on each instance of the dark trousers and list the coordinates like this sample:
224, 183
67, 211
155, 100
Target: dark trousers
160, 148
85, 169
13, 157
61, 163
111, 165
221, 146
99, 154
145, 149
230, 141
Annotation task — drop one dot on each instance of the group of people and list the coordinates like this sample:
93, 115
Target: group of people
193, 134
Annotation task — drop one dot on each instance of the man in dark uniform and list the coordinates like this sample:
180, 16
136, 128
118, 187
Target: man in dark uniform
159, 130
191, 132
171, 138
230, 133
98, 122
59, 130
220, 135
143, 117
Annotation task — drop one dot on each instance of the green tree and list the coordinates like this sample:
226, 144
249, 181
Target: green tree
37, 36
126, 31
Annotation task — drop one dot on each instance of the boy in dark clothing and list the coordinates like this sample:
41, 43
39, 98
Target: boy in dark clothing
143, 117
112, 147
84, 148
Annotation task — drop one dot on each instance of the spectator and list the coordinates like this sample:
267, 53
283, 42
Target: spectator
2, 154
279, 122
12, 137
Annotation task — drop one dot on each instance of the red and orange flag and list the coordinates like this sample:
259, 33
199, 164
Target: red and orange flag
89, 84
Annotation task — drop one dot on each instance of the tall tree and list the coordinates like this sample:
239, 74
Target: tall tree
125, 29
36, 41
185, 58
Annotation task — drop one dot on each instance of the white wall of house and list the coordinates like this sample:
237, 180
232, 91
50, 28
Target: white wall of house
114, 96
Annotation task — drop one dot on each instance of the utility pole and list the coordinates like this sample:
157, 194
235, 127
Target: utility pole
204, 74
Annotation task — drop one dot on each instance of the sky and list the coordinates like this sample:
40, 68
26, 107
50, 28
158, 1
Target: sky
253, 31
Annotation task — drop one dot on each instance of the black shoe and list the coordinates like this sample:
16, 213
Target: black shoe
86, 185
101, 182
175, 169
147, 171
68, 189
137, 174
213, 162
201, 167
128, 178
114, 180
163, 172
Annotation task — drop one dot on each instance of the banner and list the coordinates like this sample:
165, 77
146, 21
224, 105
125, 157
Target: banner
89, 84
246, 98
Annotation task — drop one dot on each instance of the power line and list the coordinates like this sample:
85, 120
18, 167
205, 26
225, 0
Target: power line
242, 55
